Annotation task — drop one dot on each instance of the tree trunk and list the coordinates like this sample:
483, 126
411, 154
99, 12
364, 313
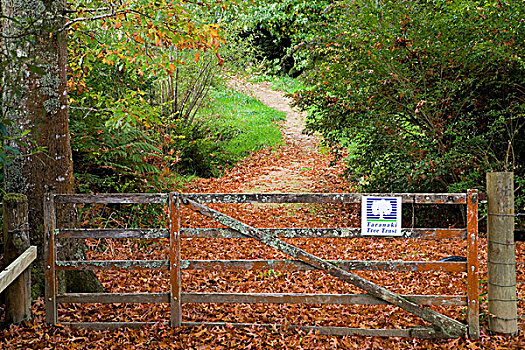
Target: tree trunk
34, 98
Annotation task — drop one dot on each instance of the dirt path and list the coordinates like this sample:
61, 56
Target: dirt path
299, 166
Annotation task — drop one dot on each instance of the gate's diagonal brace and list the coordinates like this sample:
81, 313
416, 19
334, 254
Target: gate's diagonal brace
446, 325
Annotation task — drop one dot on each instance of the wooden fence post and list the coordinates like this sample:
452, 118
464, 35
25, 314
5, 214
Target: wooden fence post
50, 259
502, 296
175, 269
472, 265
16, 241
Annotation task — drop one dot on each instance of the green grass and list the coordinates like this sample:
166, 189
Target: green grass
249, 124
282, 83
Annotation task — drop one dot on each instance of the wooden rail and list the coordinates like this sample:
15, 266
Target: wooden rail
415, 332
264, 298
262, 265
175, 233
424, 233
17, 267
336, 198
349, 198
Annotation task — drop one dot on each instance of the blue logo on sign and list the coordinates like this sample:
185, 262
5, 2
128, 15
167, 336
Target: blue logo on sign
384, 209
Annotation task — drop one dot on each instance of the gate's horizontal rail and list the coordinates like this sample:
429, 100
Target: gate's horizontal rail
349, 265
423, 233
112, 265
113, 233
349, 198
113, 198
162, 198
261, 265
303, 298
250, 298
114, 298
416, 332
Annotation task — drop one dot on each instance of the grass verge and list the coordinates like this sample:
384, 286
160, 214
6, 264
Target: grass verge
282, 83
241, 123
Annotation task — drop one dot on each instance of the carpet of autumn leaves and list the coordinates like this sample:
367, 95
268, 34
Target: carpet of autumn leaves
299, 165
284, 169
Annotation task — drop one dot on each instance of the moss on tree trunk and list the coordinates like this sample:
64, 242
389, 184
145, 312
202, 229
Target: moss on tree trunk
34, 98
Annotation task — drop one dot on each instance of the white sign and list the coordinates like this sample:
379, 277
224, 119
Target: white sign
381, 216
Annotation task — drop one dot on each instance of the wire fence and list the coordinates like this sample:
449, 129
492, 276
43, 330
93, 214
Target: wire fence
520, 265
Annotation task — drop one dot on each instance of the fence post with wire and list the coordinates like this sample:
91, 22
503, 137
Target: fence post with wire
502, 291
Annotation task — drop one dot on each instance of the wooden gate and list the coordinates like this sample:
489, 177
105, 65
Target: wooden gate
442, 326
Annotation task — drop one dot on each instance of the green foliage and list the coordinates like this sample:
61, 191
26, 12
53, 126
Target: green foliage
112, 160
138, 75
425, 95
110, 120
200, 150
113, 154
269, 274
269, 33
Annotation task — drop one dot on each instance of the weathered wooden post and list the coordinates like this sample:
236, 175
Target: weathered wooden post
16, 241
502, 295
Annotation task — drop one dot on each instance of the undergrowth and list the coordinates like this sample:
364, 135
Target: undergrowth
283, 83
250, 124
228, 128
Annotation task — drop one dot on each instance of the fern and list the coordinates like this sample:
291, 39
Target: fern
111, 160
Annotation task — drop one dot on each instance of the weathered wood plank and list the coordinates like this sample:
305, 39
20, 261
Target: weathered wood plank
349, 198
417, 332
266, 298
261, 265
51, 257
114, 298
446, 325
175, 261
101, 326
113, 233
113, 198
472, 265
304, 298
349, 265
13, 270
423, 233
113, 265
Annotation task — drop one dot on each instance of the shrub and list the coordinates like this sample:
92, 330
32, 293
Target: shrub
271, 32
425, 95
